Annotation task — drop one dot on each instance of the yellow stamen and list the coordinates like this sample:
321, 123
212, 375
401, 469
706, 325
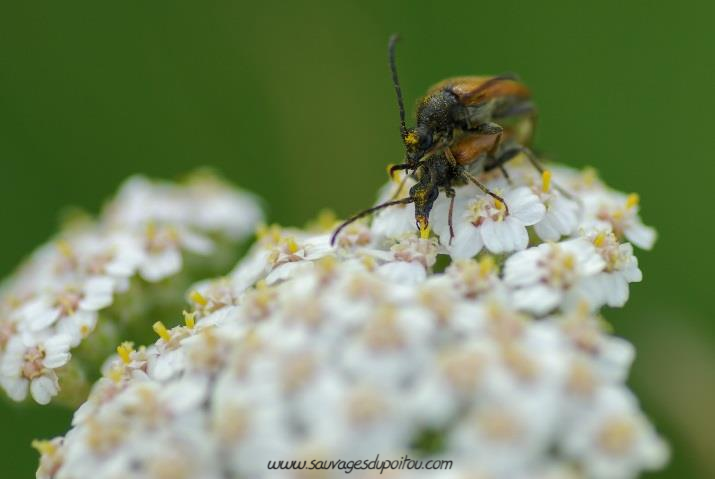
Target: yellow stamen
115, 374
599, 239
569, 262
486, 265
65, 248
545, 181
327, 264
498, 204
84, 330
161, 330
291, 245
124, 351
270, 233
189, 319
326, 220
368, 262
589, 176
583, 309
44, 447
632, 200
67, 304
198, 298
151, 231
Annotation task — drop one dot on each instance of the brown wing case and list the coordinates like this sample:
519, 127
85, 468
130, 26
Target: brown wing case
469, 147
477, 89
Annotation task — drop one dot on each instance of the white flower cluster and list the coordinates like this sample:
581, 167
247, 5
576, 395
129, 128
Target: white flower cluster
312, 353
52, 302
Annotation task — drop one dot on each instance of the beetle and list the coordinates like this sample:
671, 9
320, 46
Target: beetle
476, 104
455, 133
454, 165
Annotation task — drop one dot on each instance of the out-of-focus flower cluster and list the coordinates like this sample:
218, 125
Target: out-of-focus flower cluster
392, 344
53, 303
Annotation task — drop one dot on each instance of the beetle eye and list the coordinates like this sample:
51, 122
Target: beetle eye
425, 142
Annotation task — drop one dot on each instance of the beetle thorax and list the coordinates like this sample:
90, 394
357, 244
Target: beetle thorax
434, 112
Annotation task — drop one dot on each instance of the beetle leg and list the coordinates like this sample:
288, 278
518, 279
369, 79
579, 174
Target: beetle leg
451, 195
497, 143
404, 166
506, 174
501, 159
486, 190
521, 108
394, 168
536, 164
487, 129
450, 156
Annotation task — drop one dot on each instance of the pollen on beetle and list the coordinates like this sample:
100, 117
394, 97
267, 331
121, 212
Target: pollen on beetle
411, 139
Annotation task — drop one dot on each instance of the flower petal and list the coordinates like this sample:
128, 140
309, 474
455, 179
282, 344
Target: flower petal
43, 388
467, 242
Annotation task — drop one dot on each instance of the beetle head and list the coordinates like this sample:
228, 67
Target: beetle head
418, 142
424, 195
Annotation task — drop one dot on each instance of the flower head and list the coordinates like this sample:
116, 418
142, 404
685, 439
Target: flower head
309, 351
29, 363
543, 276
482, 221
484, 348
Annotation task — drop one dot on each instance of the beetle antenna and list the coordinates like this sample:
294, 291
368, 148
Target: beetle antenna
396, 82
362, 214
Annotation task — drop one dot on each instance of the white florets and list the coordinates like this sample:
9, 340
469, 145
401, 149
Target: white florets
308, 352
60, 291
499, 363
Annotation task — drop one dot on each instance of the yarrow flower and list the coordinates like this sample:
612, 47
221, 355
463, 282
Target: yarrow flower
69, 288
498, 363
29, 362
483, 221
543, 276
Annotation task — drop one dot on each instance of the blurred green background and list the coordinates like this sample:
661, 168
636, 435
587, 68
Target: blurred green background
293, 101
